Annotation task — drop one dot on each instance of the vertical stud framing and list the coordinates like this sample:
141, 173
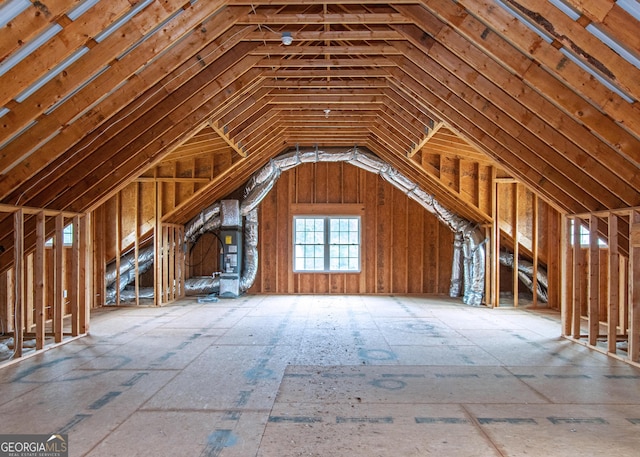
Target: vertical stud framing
47, 285
614, 236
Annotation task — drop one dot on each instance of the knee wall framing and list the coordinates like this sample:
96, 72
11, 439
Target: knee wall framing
601, 300
45, 296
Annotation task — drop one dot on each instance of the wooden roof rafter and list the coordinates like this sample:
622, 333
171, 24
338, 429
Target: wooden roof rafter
387, 71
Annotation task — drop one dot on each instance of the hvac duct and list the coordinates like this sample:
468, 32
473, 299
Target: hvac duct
127, 272
525, 274
468, 249
471, 238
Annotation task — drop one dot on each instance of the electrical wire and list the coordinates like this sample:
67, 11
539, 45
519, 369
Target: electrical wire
204, 256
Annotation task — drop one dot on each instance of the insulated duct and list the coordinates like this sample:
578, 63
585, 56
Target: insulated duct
468, 250
525, 274
201, 285
127, 271
469, 238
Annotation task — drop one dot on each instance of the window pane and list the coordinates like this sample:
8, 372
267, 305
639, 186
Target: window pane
338, 251
67, 234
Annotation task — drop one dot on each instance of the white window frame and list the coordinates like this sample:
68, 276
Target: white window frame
325, 245
584, 236
67, 237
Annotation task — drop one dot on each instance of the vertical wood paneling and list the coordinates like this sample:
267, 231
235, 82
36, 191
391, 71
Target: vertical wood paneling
445, 256
350, 183
322, 187
384, 238
405, 248
268, 239
284, 225
399, 245
369, 222
415, 260
431, 254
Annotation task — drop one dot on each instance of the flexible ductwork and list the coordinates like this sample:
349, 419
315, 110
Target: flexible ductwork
201, 285
127, 272
468, 250
525, 274
467, 235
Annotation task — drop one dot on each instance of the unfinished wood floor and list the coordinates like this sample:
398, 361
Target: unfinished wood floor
283, 376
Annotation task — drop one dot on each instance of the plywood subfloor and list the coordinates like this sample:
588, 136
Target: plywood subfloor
326, 376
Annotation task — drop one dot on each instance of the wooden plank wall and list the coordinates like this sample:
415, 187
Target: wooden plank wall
406, 250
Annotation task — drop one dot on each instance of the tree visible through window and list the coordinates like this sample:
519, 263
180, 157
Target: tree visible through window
326, 243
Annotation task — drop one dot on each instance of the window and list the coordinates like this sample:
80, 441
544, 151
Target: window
326, 243
584, 236
67, 237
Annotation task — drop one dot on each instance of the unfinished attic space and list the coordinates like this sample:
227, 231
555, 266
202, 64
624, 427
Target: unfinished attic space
282, 228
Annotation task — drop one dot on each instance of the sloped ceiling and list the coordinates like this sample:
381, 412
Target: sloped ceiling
96, 92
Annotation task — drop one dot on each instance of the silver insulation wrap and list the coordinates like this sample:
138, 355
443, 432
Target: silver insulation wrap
250, 267
468, 250
201, 285
207, 221
525, 274
127, 272
207, 285
455, 288
470, 237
